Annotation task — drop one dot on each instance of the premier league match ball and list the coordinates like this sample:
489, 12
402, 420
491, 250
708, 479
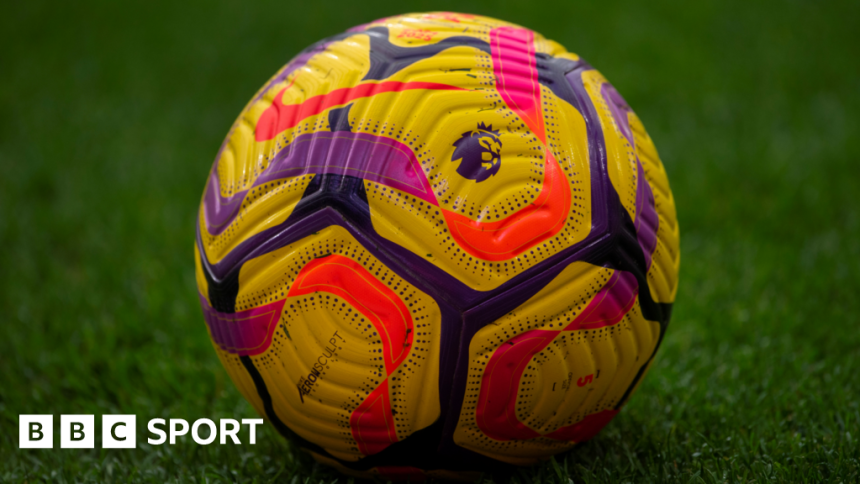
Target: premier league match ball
437, 244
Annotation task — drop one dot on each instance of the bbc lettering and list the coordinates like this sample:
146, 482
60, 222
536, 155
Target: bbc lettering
120, 431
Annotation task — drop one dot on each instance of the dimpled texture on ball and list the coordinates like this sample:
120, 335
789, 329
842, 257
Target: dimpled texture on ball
434, 245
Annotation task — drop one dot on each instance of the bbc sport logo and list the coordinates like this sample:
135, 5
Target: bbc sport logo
120, 431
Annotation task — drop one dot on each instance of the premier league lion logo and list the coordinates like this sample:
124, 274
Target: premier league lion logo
478, 152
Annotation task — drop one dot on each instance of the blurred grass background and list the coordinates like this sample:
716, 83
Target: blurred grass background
111, 114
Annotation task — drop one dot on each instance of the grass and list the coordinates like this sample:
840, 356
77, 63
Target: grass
110, 116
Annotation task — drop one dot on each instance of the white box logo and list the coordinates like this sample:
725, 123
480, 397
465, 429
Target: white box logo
119, 432
76, 431
35, 431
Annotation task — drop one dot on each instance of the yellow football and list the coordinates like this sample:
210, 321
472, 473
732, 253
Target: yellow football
437, 244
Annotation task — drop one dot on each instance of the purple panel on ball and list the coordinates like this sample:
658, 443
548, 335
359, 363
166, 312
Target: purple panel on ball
646, 221
362, 155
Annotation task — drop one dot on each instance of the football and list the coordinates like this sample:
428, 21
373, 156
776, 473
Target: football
437, 244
